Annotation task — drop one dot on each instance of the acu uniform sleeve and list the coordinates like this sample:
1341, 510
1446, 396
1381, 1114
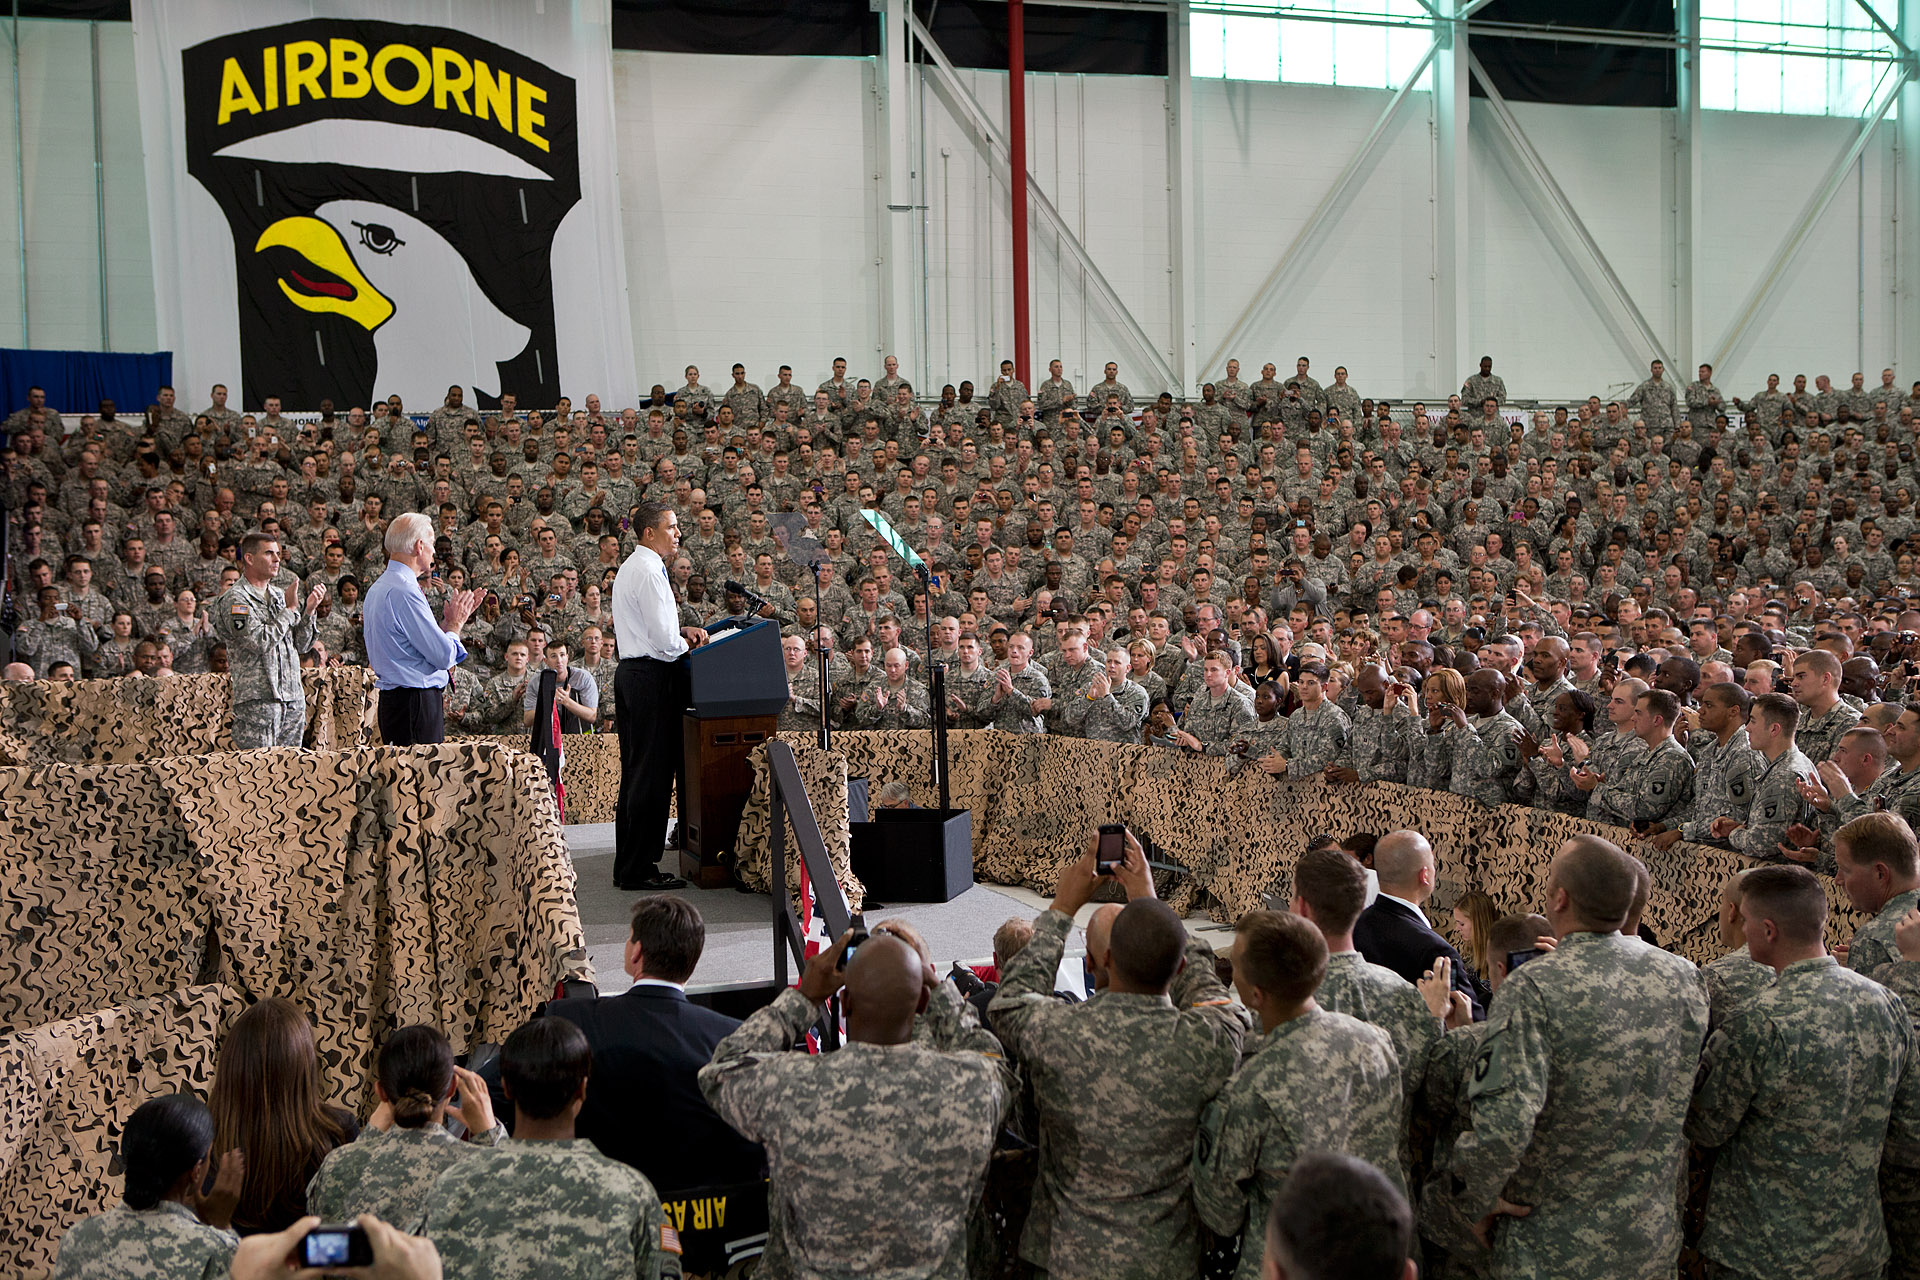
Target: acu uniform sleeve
1506, 1091
734, 1083
1226, 1157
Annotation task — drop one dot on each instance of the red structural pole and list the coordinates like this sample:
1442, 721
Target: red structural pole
1017, 183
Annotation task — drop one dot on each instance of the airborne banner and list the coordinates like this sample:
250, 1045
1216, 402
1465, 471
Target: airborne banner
346, 207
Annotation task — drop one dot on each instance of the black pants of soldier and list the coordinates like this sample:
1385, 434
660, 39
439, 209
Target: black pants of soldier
268, 724
649, 697
409, 717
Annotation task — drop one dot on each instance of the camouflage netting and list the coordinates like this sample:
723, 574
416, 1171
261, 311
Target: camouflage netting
126, 721
374, 887
1035, 799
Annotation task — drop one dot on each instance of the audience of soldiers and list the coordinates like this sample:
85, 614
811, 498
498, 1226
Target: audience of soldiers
1683, 615
1161, 1127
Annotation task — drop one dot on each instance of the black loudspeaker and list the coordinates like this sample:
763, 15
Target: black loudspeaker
914, 855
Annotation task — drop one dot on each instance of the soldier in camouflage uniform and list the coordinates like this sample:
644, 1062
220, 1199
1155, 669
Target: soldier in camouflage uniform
1006, 395
1770, 1098
1113, 1197
544, 1203
1655, 785
1578, 1105
265, 636
1278, 1107
1383, 727
1875, 864
1824, 714
1267, 735
496, 708
1734, 978
1318, 732
1219, 715
1070, 673
387, 1173
1020, 693
1444, 1102
1654, 401
1116, 706
1777, 803
54, 636
1725, 765
1330, 890
1484, 756
969, 683
1704, 403
922, 1109
1483, 384
894, 702
163, 1230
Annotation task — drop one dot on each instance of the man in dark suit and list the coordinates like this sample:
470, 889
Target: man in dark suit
1393, 933
644, 1107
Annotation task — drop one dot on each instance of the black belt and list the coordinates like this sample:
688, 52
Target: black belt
665, 662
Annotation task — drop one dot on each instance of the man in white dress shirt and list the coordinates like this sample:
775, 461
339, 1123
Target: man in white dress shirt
650, 693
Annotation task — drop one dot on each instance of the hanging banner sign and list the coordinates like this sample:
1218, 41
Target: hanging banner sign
346, 208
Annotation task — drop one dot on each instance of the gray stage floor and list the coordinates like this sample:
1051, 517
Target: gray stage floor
740, 925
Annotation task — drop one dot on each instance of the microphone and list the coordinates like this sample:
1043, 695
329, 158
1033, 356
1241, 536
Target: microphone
743, 592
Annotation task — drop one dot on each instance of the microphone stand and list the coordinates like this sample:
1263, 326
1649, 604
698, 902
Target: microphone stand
820, 652
936, 693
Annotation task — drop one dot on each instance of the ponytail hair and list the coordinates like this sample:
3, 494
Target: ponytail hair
164, 1139
416, 1071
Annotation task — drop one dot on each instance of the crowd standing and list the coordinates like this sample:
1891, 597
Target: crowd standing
1682, 613
1158, 1129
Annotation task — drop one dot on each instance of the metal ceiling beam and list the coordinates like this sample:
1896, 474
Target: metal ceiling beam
1332, 205
897, 268
1452, 229
1689, 194
1906, 211
1622, 313
1880, 22
988, 136
1775, 274
1183, 232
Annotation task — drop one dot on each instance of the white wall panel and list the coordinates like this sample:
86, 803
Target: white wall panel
747, 195
1267, 155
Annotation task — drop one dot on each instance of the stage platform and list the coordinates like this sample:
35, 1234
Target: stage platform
740, 925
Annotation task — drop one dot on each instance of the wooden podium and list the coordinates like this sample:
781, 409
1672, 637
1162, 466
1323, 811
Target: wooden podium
738, 684
719, 779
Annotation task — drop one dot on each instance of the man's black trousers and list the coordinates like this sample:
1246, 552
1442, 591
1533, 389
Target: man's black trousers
649, 697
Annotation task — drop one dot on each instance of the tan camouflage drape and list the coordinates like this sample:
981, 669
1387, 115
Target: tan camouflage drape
127, 720
1035, 799
591, 771
374, 887
66, 1092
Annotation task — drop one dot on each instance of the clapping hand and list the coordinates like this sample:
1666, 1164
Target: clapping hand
1443, 1002
458, 609
216, 1206
1906, 935
1836, 782
1100, 686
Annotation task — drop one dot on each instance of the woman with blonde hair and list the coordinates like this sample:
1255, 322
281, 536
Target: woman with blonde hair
267, 1104
1473, 917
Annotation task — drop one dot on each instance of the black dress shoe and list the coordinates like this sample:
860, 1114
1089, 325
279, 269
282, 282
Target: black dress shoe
654, 883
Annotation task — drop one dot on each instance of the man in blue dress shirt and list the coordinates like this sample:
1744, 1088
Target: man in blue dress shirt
408, 651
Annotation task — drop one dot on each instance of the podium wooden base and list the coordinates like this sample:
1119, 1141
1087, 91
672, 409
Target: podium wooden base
718, 780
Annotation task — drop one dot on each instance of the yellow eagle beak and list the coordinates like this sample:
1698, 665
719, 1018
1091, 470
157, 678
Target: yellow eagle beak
330, 282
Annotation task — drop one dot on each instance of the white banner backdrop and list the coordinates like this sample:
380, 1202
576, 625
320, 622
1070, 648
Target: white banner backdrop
348, 207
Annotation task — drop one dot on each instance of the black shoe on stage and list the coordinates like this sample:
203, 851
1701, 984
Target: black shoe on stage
655, 883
